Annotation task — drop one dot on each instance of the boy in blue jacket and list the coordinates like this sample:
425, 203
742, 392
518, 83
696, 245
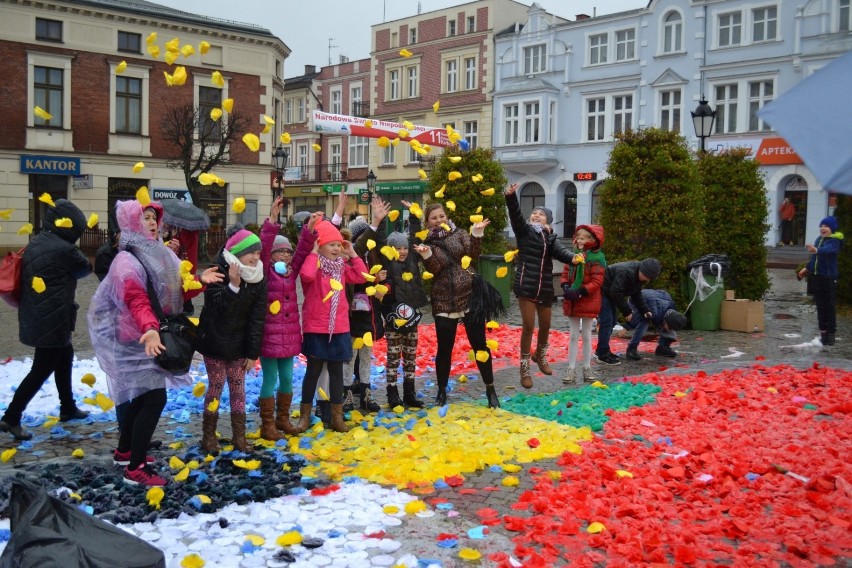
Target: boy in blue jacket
822, 267
663, 315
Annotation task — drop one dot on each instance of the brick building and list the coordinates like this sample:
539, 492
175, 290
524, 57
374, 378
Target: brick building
69, 58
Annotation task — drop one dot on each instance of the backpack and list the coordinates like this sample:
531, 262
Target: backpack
10, 277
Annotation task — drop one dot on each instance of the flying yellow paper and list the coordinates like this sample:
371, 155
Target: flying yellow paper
170, 57
38, 285
426, 275
422, 174
368, 123
213, 406
509, 256
138, 167
476, 219
88, 379
403, 133
207, 178
370, 290
143, 197
173, 45
228, 105
152, 37
492, 344
328, 296
393, 216
187, 50
368, 277
368, 339
465, 261
266, 129
93, 221
371, 244
45, 198
285, 138
199, 389
415, 210
179, 76
121, 68
502, 272
275, 307
215, 114
42, 114
217, 79
322, 394
487, 192
251, 141
389, 252
375, 268
316, 147
440, 193
64, 223
239, 205
357, 343
154, 51
436, 106
453, 176
405, 53
336, 285
445, 227
407, 276
383, 141
422, 234
203, 47
455, 159
451, 205
492, 325
482, 356
476, 178
26, 229
381, 289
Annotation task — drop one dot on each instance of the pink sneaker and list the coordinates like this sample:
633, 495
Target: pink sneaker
143, 475
123, 458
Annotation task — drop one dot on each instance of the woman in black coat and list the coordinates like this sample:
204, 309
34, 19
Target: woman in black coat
47, 317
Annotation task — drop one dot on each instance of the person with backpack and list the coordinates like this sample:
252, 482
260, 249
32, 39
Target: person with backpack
47, 313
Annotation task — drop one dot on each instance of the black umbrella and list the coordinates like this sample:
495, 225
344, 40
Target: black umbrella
301, 216
184, 215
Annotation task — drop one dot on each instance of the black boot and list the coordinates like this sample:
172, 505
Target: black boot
441, 399
368, 403
829, 339
349, 394
409, 394
393, 397
15, 430
491, 395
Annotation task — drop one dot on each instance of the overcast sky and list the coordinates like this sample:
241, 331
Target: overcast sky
306, 25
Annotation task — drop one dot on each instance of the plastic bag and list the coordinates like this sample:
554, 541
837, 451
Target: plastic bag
715, 265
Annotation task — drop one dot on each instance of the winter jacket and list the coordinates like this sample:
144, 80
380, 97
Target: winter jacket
621, 282
824, 261
405, 296
46, 319
316, 285
534, 263
282, 334
658, 303
452, 284
104, 257
231, 324
363, 321
589, 303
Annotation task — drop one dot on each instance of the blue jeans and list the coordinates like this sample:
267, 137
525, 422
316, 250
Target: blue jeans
638, 333
606, 321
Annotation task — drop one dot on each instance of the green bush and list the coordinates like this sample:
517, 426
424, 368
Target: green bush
465, 192
843, 212
651, 205
735, 218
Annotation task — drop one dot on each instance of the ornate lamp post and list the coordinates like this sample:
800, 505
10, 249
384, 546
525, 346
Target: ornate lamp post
702, 120
279, 162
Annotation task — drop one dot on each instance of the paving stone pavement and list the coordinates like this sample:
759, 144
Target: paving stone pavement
790, 322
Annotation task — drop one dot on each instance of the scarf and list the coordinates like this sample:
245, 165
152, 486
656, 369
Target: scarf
576, 271
332, 269
537, 227
251, 274
440, 232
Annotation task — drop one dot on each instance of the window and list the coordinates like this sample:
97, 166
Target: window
844, 14
622, 113
597, 49
336, 166
759, 93
551, 123
355, 96
48, 92
535, 59
730, 29
510, 124
532, 196
470, 129
532, 121
303, 160
278, 68
413, 156
288, 111
625, 45
412, 35
726, 108
336, 101
670, 110
48, 30
394, 39
300, 103
470, 73
451, 27
452, 76
358, 156
128, 105
595, 119
129, 42
672, 33
389, 155
471, 24
413, 87
764, 23
393, 84
208, 99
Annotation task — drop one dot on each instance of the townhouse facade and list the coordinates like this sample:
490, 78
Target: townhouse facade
91, 65
564, 89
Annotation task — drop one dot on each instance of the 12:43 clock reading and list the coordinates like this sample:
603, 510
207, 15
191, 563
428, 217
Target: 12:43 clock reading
585, 176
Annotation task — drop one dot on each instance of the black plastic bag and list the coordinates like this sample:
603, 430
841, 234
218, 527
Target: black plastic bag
48, 532
717, 265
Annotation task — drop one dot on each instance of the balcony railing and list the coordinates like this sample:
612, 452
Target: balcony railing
319, 173
361, 109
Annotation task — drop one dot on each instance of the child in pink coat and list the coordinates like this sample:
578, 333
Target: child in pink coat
326, 340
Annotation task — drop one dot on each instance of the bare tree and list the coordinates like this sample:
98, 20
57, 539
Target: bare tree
201, 142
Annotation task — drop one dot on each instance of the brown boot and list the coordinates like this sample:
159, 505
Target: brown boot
526, 376
209, 443
238, 432
337, 422
540, 358
268, 431
304, 418
282, 420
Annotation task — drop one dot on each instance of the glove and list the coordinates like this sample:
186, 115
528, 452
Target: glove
571, 294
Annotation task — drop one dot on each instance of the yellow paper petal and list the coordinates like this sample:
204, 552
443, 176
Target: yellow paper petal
251, 140
266, 129
492, 325
400, 322
436, 106
104, 402
176, 463
78, 453
407, 276
154, 51
381, 289
510, 255
239, 205
192, 561
465, 261
414, 507
217, 79
207, 178
469, 554
595, 528
316, 147
405, 53
623, 473
213, 406
454, 175
368, 339
422, 174
64, 223
190, 284
440, 193
138, 167
6, 214
422, 234
322, 394
268, 120
121, 68
368, 277
426, 275
393, 216
451, 205
335, 284
38, 285
479, 209
173, 45
501, 272
93, 221
383, 141
180, 75
170, 57
182, 475
445, 226
45, 198
375, 268
368, 123
598, 385
275, 307
88, 379
42, 114
187, 50
482, 356
371, 244
228, 105
357, 343
152, 37
403, 133
487, 192
215, 114
255, 539
476, 219
203, 47
492, 344
155, 495
199, 389
328, 296
8, 454
389, 252
455, 159
289, 538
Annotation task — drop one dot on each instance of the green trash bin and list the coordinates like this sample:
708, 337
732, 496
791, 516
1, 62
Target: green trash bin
706, 314
488, 265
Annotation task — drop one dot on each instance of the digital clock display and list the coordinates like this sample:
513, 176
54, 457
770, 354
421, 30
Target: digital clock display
585, 176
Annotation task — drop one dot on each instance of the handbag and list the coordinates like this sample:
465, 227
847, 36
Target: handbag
177, 334
10, 277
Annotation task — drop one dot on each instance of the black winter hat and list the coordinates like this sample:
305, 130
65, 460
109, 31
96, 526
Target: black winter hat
650, 267
675, 320
64, 209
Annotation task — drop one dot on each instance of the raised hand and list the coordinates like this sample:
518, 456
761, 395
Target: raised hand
315, 218
481, 225
380, 210
348, 250
511, 189
212, 276
422, 250
234, 275
275, 210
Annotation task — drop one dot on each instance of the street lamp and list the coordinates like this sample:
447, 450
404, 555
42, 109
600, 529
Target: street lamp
279, 162
702, 120
371, 183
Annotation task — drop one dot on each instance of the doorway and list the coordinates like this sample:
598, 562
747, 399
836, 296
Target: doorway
796, 190
55, 186
569, 218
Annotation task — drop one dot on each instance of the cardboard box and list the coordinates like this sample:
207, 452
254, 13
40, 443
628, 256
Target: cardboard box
742, 315
729, 295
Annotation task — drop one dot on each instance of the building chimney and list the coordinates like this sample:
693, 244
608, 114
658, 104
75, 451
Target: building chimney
582, 17
310, 69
